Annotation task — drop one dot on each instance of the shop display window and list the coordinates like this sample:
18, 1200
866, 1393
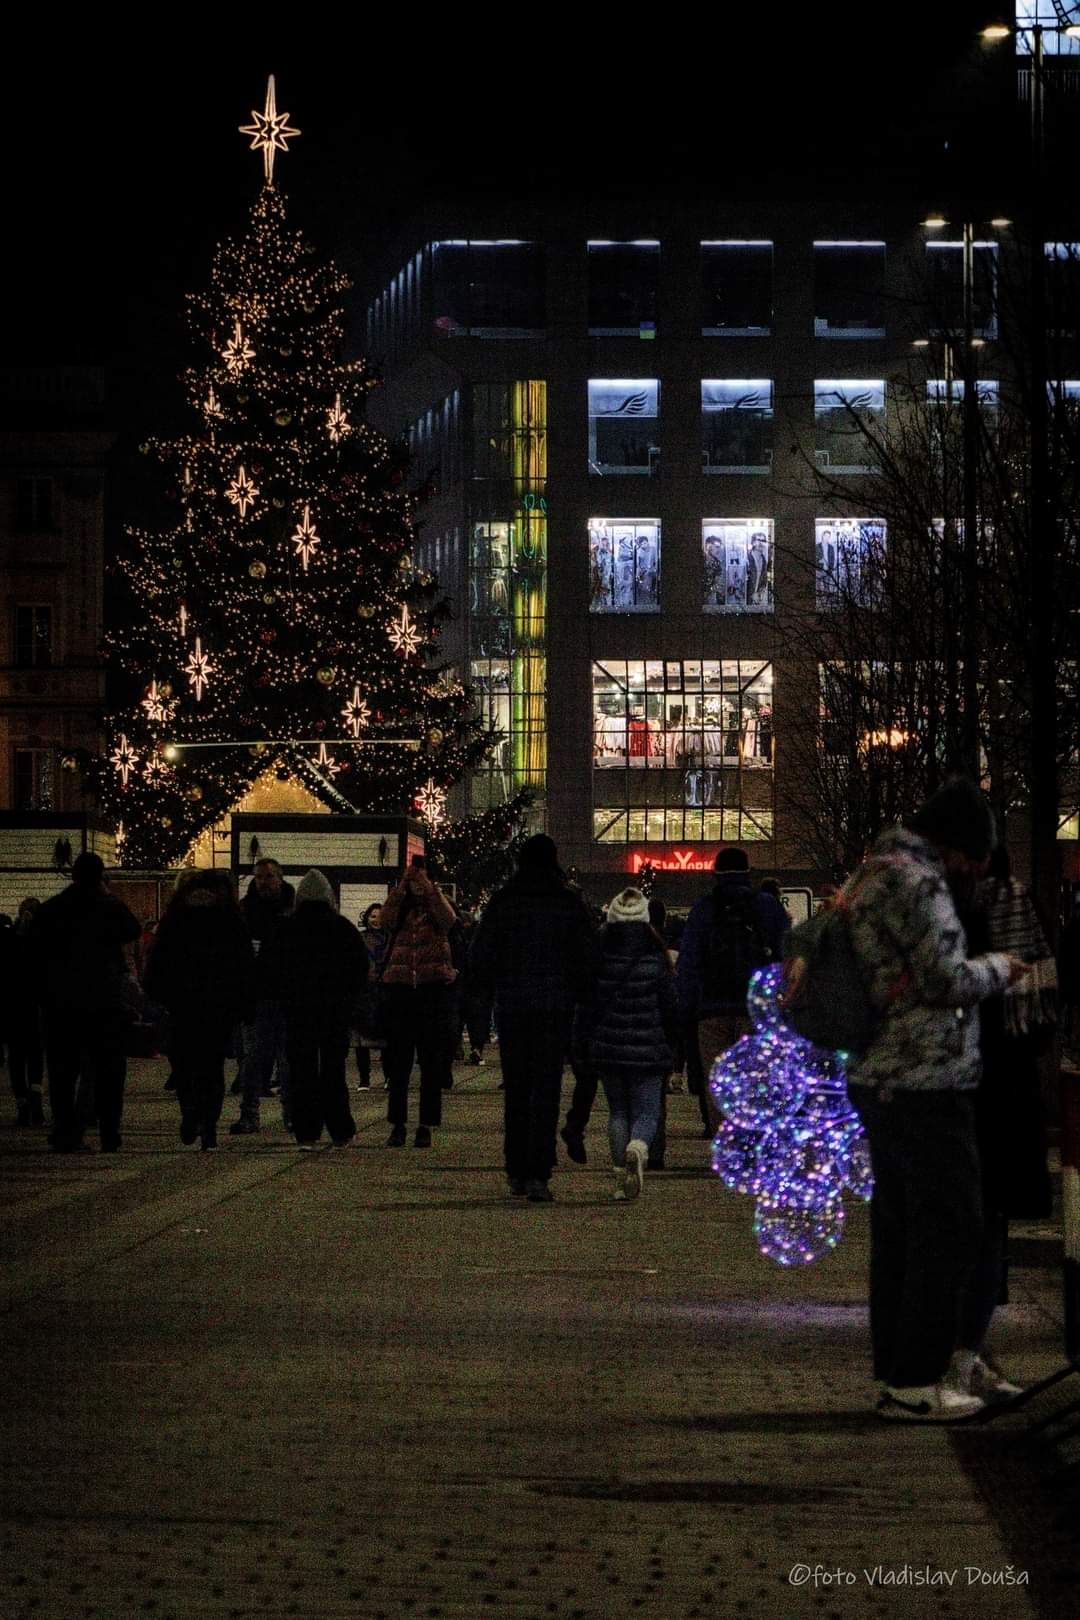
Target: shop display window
849, 556
736, 425
849, 289
738, 558
682, 751
624, 424
849, 416
945, 287
624, 280
624, 565
736, 289
1063, 287
488, 289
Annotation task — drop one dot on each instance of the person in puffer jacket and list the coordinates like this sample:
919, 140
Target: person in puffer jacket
632, 1029
417, 975
913, 1089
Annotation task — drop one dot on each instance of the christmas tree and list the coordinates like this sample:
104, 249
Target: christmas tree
274, 622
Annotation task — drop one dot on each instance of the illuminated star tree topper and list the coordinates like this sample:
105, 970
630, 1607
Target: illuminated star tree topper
270, 131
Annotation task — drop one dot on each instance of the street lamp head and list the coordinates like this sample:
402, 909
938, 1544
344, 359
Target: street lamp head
996, 32
1072, 31
1000, 224
921, 343
934, 222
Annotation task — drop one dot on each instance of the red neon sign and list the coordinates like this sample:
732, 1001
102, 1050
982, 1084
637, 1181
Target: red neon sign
679, 860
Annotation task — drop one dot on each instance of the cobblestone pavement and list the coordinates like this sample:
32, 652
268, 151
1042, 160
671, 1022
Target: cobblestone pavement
364, 1383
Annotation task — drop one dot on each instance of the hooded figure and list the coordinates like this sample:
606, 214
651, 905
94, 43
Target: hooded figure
315, 968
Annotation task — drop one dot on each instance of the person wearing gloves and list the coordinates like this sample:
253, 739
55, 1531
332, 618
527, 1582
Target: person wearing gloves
913, 1088
630, 1029
315, 968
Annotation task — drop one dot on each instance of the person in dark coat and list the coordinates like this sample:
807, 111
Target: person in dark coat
417, 982
202, 969
315, 969
77, 943
534, 955
376, 939
20, 1016
632, 1029
268, 901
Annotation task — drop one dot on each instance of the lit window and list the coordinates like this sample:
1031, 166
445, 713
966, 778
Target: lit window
736, 425
624, 565
736, 289
849, 419
682, 751
849, 554
738, 556
624, 425
624, 279
849, 289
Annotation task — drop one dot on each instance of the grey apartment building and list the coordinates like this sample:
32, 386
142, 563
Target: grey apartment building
613, 416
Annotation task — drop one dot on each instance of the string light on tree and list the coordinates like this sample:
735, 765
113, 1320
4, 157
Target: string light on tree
124, 758
242, 492
356, 713
431, 803
404, 635
270, 131
198, 669
305, 538
237, 352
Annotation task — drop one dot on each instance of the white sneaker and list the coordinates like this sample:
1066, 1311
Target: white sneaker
989, 1382
927, 1403
619, 1194
637, 1157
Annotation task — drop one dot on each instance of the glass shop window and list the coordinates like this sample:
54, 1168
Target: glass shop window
738, 558
736, 289
624, 279
849, 289
624, 565
624, 422
736, 425
849, 419
945, 287
488, 289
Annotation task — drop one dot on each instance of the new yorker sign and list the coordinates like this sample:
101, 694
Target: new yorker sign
676, 860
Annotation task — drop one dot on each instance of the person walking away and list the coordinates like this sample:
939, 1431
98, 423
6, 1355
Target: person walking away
476, 1011
417, 977
202, 970
1009, 1124
534, 954
315, 968
20, 1019
77, 944
729, 934
369, 1038
268, 901
631, 1028
913, 1088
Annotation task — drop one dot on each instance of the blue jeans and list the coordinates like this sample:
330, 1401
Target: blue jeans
634, 1112
264, 1052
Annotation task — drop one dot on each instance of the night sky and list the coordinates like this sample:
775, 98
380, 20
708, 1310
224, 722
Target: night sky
129, 167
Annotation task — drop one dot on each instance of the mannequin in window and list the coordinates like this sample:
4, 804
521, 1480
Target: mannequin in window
765, 734
637, 737
714, 571
758, 571
601, 584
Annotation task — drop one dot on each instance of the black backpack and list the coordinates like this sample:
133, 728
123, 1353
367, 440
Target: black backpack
735, 947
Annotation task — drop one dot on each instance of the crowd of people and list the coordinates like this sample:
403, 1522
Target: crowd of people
284, 983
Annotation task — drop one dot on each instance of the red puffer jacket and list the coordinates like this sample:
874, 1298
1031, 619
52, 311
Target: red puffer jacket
419, 922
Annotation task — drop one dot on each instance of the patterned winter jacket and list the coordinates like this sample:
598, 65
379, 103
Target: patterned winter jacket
419, 951
903, 922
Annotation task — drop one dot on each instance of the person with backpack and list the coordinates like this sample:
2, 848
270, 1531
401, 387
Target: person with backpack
913, 1084
628, 1030
729, 934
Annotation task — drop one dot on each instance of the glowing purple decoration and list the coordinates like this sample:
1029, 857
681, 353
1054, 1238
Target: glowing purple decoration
789, 1137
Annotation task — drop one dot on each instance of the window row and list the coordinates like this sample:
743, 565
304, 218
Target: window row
498, 289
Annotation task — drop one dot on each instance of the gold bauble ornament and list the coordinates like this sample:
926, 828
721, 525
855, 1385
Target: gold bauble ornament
285, 352
256, 749
165, 689
257, 569
242, 399
325, 673
405, 563
365, 611
166, 821
269, 598
68, 762
195, 792
309, 309
283, 418
435, 737
278, 502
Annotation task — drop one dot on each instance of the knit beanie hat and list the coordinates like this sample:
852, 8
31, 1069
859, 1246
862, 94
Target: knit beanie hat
314, 886
958, 817
538, 854
629, 906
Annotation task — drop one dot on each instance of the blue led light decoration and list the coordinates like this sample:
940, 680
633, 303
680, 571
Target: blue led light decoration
789, 1138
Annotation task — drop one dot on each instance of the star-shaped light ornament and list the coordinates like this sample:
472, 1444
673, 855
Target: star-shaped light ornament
237, 352
158, 708
156, 771
404, 635
305, 539
337, 423
198, 669
123, 757
242, 492
212, 406
356, 713
269, 132
325, 763
431, 803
